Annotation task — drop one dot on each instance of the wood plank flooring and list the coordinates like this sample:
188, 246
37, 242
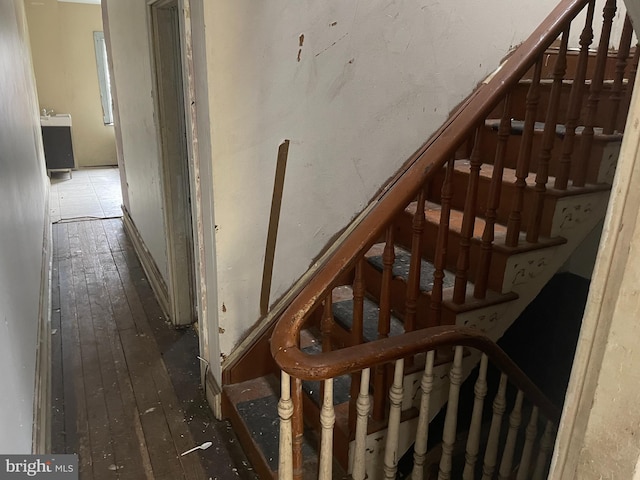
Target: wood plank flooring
125, 384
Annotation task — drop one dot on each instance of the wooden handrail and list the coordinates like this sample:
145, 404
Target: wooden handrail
418, 169
353, 359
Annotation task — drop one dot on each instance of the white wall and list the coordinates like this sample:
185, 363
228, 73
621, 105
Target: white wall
140, 149
374, 80
23, 190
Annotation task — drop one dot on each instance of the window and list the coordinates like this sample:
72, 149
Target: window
103, 77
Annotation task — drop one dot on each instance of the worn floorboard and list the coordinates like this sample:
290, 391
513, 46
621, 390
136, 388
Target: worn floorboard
126, 394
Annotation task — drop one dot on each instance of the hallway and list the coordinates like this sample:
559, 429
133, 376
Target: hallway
86, 193
126, 394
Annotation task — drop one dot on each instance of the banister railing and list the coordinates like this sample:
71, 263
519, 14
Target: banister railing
361, 359
416, 215
356, 358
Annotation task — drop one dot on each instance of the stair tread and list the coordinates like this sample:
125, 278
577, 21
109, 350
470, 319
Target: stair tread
401, 270
264, 425
402, 264
432, 213
343, 314
256, 402
341, 385
509, 177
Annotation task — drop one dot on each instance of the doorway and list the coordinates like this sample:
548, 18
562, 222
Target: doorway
165, 35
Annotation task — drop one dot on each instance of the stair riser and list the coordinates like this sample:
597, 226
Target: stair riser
398, 294
597, 165
428, 244
519, 101
507, 197
572, 57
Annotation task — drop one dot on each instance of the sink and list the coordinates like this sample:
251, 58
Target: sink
57, 120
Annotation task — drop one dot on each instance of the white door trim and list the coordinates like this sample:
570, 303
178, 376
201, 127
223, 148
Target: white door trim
199, 147
196, 107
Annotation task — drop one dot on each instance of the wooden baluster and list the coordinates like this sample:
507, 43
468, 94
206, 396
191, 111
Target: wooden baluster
326, 324
285, 411
515, 419
396, 394
363, 406
493, 202
357, 336
451, 417
388, 257
548, 136
357, 324
530, 437
440, 259
491, 453
575, 101
413, 282
384, 318
621, 66
327, 420
633, 70
524, 158
586, 140
298, 428
422, 433
546, 444
473, 440
468, 221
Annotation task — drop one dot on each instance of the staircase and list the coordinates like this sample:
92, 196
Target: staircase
410, 304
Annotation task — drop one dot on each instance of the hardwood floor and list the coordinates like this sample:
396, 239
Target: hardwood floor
125, 384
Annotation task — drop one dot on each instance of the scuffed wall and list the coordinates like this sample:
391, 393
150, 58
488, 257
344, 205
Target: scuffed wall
357, 87
23, 190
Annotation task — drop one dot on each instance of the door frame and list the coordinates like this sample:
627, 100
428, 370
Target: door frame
175, 169
198, 143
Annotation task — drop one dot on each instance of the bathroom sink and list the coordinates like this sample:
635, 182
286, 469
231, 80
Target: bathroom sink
57, 120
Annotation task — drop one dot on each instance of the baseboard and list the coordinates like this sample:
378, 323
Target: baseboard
213, 393
41, 433
149, 266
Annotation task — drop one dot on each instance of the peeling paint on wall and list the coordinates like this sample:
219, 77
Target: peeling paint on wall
301, 42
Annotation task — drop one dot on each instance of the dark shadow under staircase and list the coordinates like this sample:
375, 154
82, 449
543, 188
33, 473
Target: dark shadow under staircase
412, 301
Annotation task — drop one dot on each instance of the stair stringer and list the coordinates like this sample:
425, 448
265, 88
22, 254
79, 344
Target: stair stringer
525, 274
